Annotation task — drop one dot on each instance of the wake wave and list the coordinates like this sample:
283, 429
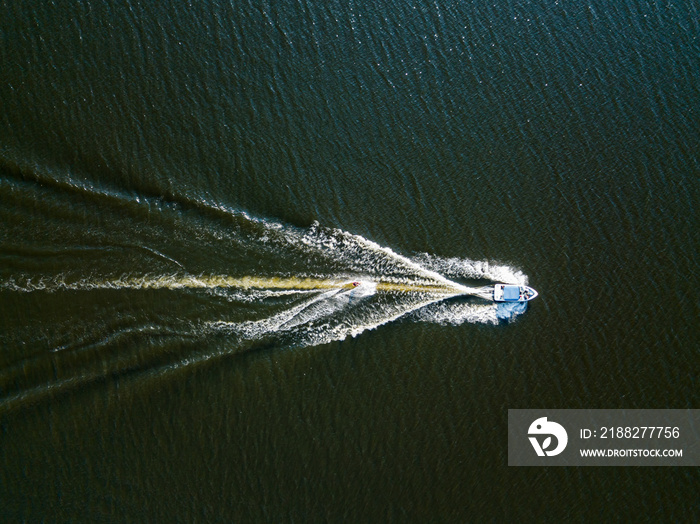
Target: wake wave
346, 307
218, 275
471, 269
263, 287
413, 284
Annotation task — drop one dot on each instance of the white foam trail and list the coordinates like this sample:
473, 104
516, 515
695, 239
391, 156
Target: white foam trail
322, 305
317, 307
352, 254
310, 302
325, 333
472, 269
263, 286
366, 245
256, 295
455, 314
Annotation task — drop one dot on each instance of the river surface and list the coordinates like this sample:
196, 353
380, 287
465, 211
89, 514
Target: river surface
189, 192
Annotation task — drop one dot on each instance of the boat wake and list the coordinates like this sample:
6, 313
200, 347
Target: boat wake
192, 273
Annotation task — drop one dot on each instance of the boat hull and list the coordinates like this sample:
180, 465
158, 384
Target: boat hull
513, 293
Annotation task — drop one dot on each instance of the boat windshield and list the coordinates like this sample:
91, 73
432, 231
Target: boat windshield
511, 292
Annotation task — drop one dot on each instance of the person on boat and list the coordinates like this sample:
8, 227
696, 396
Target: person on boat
355, 284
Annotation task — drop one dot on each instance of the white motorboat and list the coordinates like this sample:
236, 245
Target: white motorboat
513, 293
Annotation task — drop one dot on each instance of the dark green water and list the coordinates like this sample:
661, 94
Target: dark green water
154, 159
